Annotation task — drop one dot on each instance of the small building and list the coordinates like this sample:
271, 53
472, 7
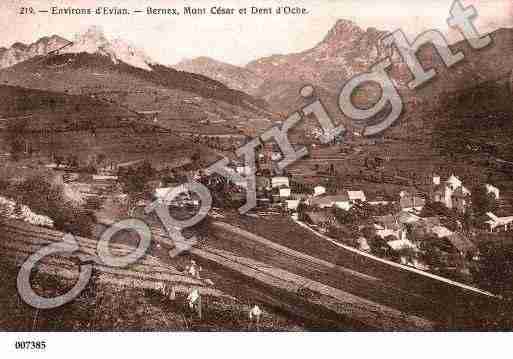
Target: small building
441, 231
389, 225
453, 182
399, 244
327, 201
284, 192
292, 204
319, 190
498, 224
363, 244
461, 199
493, 190
277, 182
356, 196
411, 202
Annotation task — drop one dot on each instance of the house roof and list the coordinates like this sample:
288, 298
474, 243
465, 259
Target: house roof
406, 217
355, 195
388, 221
412, 201
363, 243
454, 180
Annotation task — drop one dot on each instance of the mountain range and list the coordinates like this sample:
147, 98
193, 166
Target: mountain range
348, 50
120, 73
204, 88
20, 52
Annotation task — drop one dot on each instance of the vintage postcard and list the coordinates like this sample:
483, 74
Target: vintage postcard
254, 166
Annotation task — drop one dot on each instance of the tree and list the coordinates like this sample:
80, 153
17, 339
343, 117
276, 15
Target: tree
46, 199
16, 135
301, 210
482, 201
496, 266
432, 209
379, 246
100, 158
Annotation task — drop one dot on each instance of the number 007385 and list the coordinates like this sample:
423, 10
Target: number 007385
30, 345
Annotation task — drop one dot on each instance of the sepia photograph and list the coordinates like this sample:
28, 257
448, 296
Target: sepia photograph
255, 171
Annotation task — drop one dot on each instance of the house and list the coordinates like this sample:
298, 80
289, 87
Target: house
399, 244
461, 199
436, 179
319, 190
363, 244
493, 190
405, 217
292, 204
497, 224
453, 182
411, 202
376, 200
327, 201
163, 193
451, 193
277, 182
389, 225
441, 231
438, 193
356, 196
284, 192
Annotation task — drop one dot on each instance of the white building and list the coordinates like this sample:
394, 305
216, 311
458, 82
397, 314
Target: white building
284, 192
356, 196
492, 189
292, 204
279, 182
319, 190
497, 223
341, 201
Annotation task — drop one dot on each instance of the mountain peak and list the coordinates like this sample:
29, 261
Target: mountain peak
94, 41
91, 40
344, 24
19, 52
342, 27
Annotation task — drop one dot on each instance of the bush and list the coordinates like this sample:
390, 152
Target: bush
46, 199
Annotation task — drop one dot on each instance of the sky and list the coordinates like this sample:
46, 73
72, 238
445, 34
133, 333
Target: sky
239, 39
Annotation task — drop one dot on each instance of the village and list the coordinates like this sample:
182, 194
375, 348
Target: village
435, 223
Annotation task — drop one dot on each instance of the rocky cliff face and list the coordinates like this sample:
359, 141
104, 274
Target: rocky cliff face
19, 52
345, 51
94, 41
